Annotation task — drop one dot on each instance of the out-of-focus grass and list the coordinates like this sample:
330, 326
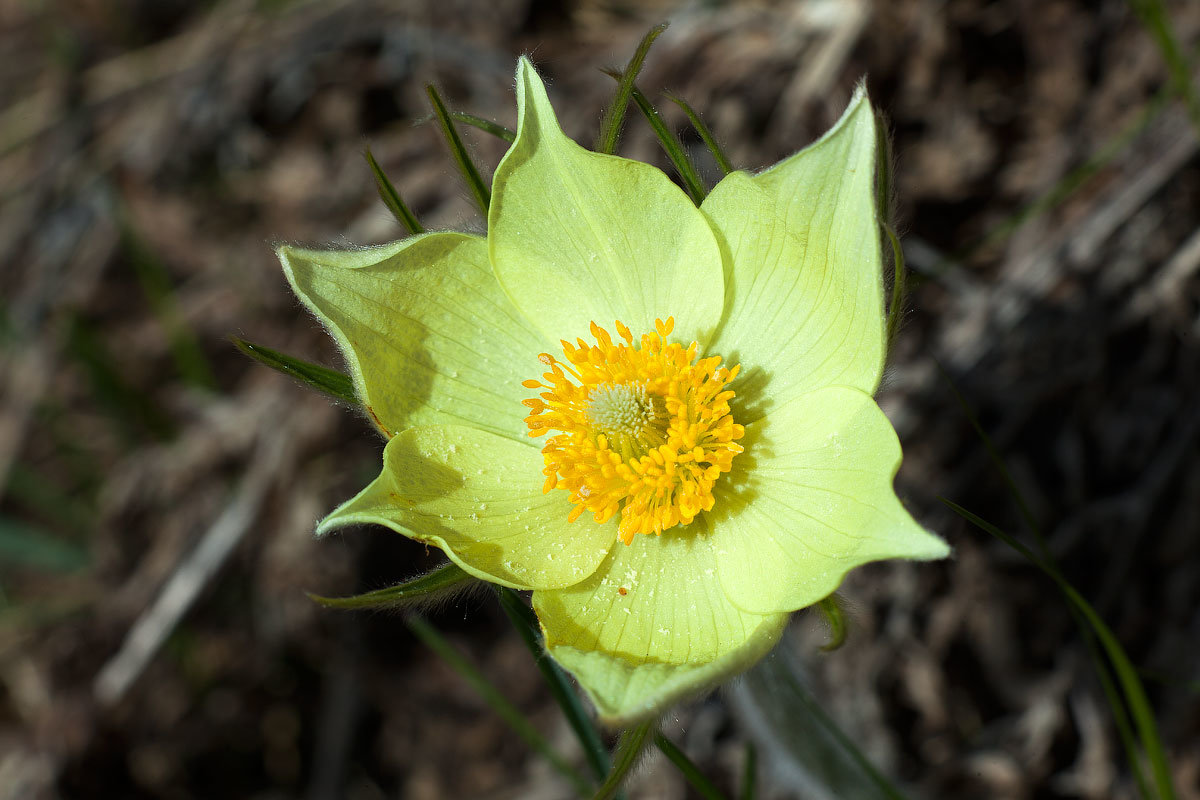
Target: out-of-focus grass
31, 547
132, 411
190, 362
44, 495
1126, 695
496, 700
1153, 14
54, 507
1133, 693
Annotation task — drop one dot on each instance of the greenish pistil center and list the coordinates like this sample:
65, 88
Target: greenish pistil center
633, 419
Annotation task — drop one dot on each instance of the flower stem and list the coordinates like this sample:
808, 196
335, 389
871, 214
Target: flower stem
703, 786
524, 620
629, 749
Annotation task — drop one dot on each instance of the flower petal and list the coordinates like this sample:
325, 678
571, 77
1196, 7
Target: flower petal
810, 499
803, 282
428, 335
651, 626
479, 498
578, 237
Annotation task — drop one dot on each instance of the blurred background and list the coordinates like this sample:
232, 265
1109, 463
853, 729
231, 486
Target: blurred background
159, 489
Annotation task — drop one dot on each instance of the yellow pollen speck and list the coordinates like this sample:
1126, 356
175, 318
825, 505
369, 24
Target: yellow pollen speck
642, 429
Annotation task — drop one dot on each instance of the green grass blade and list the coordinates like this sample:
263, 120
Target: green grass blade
1001, 467
432, 587
485, 125
877, 778
1125, 730
836, 618
475, 182
703, 786
610, 126
497, 701
672, 147
705, 134
629, 749
810, 735
749, 772
1131, 685
525, 621
1153, 14
1085, 617
323, 379
391, 198
1127, 677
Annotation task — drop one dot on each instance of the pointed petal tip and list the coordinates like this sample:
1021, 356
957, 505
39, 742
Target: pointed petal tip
343, 516
935, 547
328, 525
860, 92
556, 204
779, 558
860, 100
477, 497
531, 89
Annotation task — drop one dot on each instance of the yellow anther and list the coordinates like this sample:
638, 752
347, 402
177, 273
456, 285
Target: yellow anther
643, 430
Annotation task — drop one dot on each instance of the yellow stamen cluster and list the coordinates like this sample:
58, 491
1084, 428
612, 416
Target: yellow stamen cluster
643, 429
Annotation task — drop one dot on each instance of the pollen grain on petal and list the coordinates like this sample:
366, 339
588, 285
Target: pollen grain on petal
642, 430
